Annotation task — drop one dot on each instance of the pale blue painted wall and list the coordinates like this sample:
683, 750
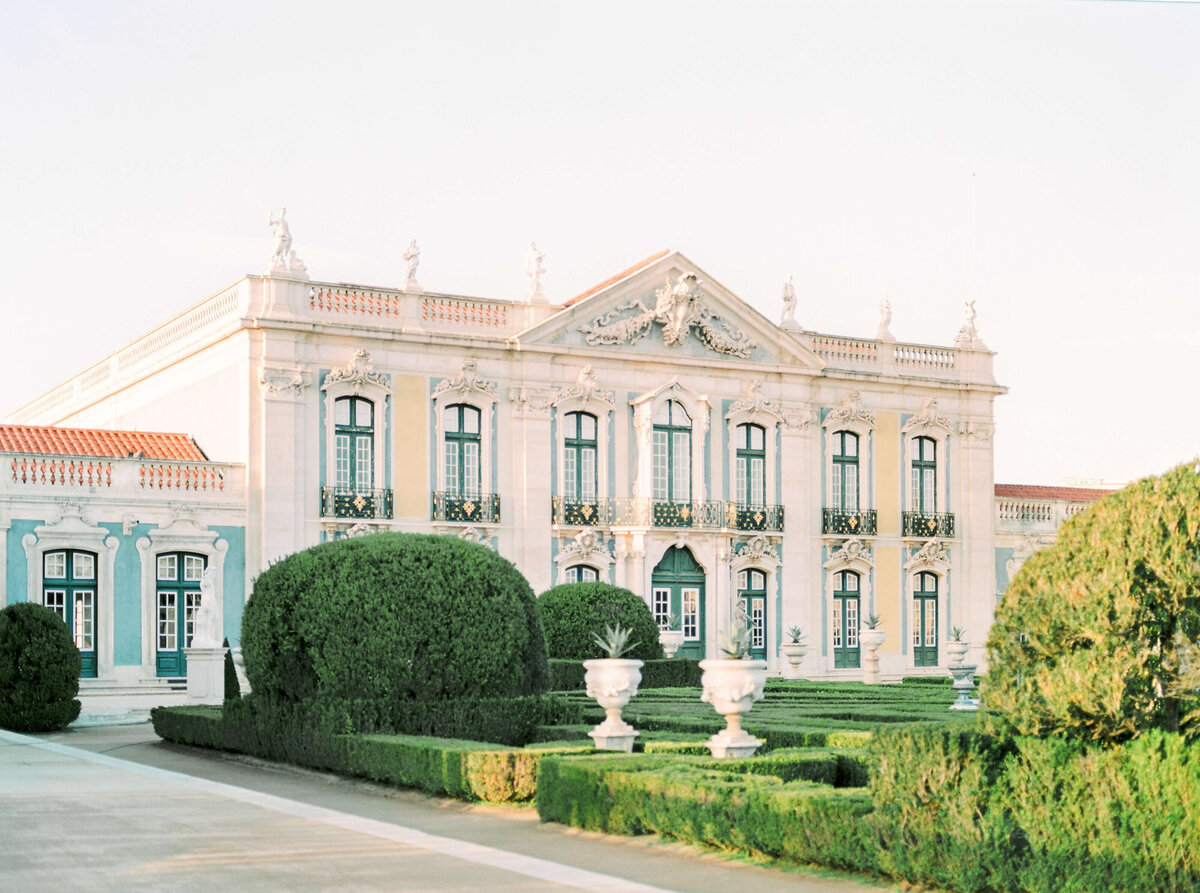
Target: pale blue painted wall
234, 582
16, 581
127, 594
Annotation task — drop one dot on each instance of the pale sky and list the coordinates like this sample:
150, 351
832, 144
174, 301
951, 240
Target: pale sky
142, 146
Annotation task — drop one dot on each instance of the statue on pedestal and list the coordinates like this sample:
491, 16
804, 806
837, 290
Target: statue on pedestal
283, 239
535, 266
788, 321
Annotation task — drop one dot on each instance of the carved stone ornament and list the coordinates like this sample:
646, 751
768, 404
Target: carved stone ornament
927, 418
796, 418
585, 545
358, 372
70, 508
976, 430
478, 535
851, 551
468, 381
933, 552
754, 401
678, 308
276, 380
756, 548
531, 401
852, 410
586, 389
360, 529
181, 511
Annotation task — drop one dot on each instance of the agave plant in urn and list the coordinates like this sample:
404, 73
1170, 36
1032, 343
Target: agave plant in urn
670, 634
612, 681
794, 650
732, 684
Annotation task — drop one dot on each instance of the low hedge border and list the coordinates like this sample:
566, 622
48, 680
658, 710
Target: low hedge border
468, 770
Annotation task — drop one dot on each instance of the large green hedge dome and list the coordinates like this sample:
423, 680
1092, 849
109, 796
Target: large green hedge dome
394, 616
1096, 635
39, 670
572, 612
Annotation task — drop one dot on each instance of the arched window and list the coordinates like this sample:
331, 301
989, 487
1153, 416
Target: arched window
846, 596
924, 475
69, 589
463, 475
582, 573
177, 583
354, 444
751, 464
672, 453
925, 620
579, 457
844, 486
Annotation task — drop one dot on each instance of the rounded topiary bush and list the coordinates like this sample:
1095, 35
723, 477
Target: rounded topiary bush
39, 670
1096, 635
393, 616
573, 612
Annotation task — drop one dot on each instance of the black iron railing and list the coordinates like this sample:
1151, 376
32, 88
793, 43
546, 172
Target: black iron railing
580, 513
753, 517
349, 502
927, 524
483, 508
843, 523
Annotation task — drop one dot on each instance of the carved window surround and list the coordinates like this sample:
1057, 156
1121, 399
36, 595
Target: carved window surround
852, 417
470, 389
358, 379
644, 410
932, 424
584, 396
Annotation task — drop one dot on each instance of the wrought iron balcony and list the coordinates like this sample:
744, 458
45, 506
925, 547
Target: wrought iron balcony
753, 517
843, 523
927, 524
580, 512
349, 502
482, 508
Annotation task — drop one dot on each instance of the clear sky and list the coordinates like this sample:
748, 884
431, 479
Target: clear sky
142, 146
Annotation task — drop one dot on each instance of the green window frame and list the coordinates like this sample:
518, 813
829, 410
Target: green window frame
751, 464
69, 589
582, 573
354, 444
672, 453
925, 620
924, 475
752, 590
847, 603
177, 598
844, 488
463, 466
579, 457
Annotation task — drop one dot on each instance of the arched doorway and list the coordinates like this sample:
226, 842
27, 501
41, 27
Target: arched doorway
679, 581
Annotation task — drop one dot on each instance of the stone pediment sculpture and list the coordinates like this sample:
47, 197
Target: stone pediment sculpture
586, 388
933, 552
756, 548
467, 381
928, 417
755, 402
283, 257
358, 372
587, 545
851, 410
679, 309
853, 552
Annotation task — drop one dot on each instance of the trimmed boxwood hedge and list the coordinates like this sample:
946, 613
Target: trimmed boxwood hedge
393, 616
39, 670
573, 612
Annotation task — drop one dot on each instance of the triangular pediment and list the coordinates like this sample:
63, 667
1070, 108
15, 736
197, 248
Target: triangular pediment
668, 307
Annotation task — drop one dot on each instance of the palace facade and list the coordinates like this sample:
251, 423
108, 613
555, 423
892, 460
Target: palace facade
655, 432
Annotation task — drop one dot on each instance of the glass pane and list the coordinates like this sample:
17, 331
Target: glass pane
927, 491
452, 485
470, 420
56, 600
682, 472
588, 574
837, 623
454, 419
362, 462
679, 415
83, 566
54, 565
851, 581
662, 607
758, 580
851, 445
758, 624
851, 623
851, 501
836, 487
587, 489
341, 460
341, 411
661, 475
915, 485
757, 488
930, 622
193, 568
916, 622
740, 482
168, 567
570, 478
364, 413
691, 614
470, 469
587, 426
191, 606
166, 621
85, 620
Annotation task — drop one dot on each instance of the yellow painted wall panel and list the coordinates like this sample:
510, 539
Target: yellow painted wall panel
410, 454
887, 595
887, 472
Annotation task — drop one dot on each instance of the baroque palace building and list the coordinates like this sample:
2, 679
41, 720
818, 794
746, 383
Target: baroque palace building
655, 432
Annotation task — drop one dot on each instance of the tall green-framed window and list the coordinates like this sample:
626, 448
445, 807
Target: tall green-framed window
672, 453
924, 475
354, 444
463, 474
752, 590
69, 589
751, 465
844, 486
177, 595
925, 620
579, 457
844, 625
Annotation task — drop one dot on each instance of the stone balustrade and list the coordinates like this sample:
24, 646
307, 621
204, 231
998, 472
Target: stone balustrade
61, 474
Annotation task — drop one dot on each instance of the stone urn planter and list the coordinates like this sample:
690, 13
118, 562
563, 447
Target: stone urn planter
794, 652
957, 651
671, 640
871, 638
612, 681
732, 685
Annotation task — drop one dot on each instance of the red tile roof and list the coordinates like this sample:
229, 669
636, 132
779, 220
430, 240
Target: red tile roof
607, 282
1064, 494
50, 441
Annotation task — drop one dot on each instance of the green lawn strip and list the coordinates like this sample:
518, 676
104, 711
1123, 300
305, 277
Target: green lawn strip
710, 802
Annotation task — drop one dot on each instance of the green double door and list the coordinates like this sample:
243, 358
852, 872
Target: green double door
752, 590
178, 599
678, 582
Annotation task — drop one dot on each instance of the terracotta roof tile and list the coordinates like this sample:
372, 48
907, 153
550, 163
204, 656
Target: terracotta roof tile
52, 441
1064, 494
612, 279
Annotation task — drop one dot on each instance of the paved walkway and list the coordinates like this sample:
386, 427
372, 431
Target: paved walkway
117, 809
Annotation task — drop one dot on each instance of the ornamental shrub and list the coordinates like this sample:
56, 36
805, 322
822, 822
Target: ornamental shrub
393, 616
39, 670
233, 688
574, 612
1096, 636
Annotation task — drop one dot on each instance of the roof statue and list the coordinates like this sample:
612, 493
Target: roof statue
535, 266
885, 322
412, 257
788, 320
283, 258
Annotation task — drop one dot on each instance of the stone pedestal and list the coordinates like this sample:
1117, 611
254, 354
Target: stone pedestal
871, 639
205, 675
413, 287
964, 682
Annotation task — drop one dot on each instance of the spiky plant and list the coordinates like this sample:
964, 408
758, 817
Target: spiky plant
614, 641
